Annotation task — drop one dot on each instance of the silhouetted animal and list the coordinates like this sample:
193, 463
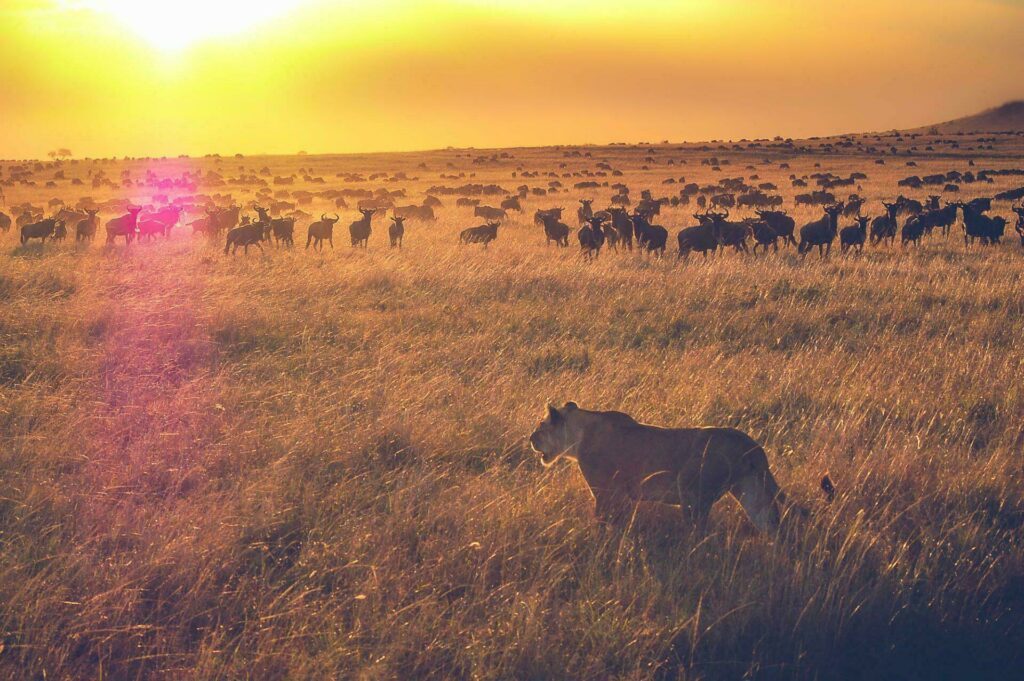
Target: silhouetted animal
126, 226
489, 212
360, 230
621, 223
855, 235
585, 211
245, 235
554, 230
396, 231
782, 223
883, 228
484, 234
40, 230
592, 237
323, 230
821, 232
649, 237
86, 229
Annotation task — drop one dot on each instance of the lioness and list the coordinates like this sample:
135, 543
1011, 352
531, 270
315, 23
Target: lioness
625, 461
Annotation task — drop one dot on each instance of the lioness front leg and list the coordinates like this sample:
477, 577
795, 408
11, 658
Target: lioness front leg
610, 507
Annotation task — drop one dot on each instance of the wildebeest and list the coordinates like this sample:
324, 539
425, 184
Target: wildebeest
414, 212
283, 229
538, 217
883, 228
467, 203
977, 225
511, 203
649, 237
781, 222
912, 231
160, 222
700, 238
86, 228
764, 235
126, 226
323, 229
396, 231
943, 217
484, 234
40, 230
554, 230
489, 212
245, 235
591, 237
360, 230
821, 232
621, 224
727, 233
585, 211
855, 235
5, 222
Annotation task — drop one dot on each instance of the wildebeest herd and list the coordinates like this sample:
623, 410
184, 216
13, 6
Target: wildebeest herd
615, 227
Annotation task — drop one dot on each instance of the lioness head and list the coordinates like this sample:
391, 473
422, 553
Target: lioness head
551, 439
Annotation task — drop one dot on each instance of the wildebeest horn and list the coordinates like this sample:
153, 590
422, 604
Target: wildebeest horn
323, 217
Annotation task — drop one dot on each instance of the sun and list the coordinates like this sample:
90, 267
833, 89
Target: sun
173, 25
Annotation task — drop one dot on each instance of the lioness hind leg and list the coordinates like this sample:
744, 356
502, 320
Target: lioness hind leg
758, 495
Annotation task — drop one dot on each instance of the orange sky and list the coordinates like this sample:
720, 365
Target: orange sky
132, 77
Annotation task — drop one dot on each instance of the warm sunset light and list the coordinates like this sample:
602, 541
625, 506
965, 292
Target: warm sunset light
476, 340
175, 24
281, 75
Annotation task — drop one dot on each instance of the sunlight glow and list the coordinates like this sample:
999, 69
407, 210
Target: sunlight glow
173, 25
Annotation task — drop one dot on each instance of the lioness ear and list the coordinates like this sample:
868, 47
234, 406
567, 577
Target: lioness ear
553, 413
570, 405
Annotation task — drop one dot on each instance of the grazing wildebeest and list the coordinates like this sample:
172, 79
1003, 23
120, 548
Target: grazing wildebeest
977, 225
511, 203
484, 234
883, 228
855, 235
464, 202
554, 230
221, 219
592, 237
40, 230
126, 226
160, 222
912, 231
727, 233
86, 229
781, 222
621, 223
700, 238
908, 206
360, 230
5, 222
538, 217
396, 231
323, 229
70, 217
245, 235
853, 206
821, 232
943, 217
649, 237
764, 235
489, 212
283, 229
585, 211
414, 212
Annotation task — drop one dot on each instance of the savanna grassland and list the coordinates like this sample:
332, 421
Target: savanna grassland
290, 465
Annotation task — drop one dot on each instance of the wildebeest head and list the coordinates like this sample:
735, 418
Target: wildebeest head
330, 221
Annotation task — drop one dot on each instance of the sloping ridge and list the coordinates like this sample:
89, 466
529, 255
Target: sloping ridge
1008, 117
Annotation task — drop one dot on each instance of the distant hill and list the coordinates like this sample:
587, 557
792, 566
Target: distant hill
1006, 118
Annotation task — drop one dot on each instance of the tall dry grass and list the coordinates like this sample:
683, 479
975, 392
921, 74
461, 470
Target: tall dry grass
303, 466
